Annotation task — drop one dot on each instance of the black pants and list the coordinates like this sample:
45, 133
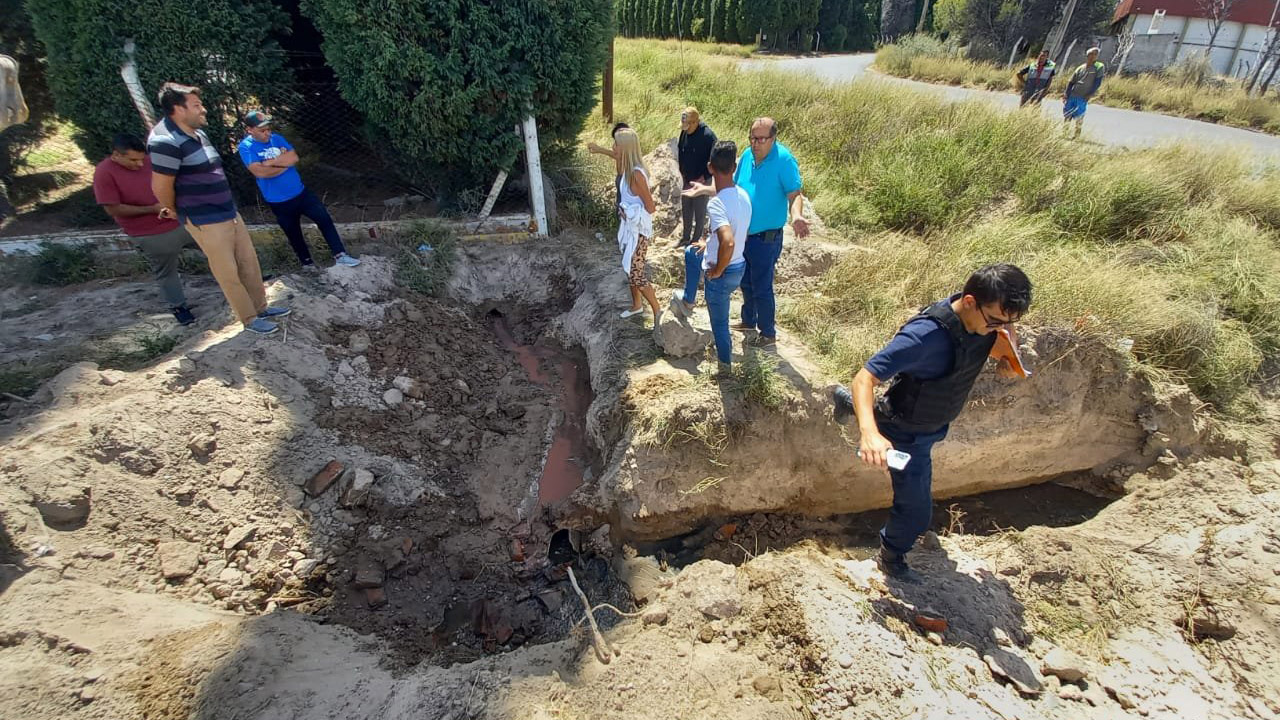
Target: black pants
289, 216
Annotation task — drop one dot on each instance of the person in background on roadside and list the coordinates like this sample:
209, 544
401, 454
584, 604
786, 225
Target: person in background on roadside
1084, 82
635, 215
694, 152
190, 186
931, 365
771, 177
122, 186
721, 254
1036, 77
271, 160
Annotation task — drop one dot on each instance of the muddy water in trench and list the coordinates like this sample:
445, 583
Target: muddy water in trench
562, 473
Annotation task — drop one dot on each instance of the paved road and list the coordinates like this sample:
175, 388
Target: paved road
1110, 126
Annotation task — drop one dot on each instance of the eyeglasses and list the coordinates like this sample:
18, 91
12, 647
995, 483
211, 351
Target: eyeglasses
993, 324
759, 140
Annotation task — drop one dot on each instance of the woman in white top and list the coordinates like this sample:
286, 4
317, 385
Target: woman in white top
635, 219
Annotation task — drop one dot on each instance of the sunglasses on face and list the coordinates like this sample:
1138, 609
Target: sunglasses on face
993, 324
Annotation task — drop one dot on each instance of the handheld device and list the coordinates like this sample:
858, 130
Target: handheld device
896, 458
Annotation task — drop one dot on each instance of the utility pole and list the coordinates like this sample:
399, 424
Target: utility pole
607, 89
1059, 34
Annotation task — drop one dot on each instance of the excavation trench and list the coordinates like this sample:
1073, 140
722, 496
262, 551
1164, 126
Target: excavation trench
553, 439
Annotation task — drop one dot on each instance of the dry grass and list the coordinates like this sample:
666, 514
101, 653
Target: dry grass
1172, 93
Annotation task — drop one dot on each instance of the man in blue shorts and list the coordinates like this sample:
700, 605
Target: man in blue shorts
271, 159
1084, 82
931, 366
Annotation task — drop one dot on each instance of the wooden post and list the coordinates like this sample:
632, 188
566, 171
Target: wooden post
493, 194
534, 158
607, 101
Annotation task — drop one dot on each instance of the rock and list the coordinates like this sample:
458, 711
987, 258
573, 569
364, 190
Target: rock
230, 576
230, 478
405, 385
221, 591
679, 338
929, 622
202, 446
393, 397
358, 493
935, 638
1013, 668
598, 542
930, 541
1071, 692
376, 597
707, 633
655, 615
1001, 637
237, 536
304, 567
768, 686
178, 559
715, 591
64, 505
97, 552
551, 599
369, 573
462, 386
358, 342
323, 479
845, 661
277, 550
111, 377
1064, 665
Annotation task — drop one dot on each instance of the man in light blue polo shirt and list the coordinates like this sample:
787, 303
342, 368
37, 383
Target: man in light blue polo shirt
771, 176
271, 160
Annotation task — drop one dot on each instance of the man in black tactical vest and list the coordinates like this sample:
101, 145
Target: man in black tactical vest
932, 364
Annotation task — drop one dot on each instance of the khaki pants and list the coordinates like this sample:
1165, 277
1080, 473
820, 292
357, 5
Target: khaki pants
234, 264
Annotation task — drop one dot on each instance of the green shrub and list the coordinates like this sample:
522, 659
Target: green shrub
425, 255
444, 84
223, 46
64, 264
1115, 200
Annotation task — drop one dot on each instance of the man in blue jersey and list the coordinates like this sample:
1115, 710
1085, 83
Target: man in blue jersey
271, 160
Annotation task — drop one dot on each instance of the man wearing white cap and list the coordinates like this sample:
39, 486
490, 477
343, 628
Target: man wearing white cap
1084, 82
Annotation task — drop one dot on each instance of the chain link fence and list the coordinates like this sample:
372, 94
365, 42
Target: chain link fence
49, 188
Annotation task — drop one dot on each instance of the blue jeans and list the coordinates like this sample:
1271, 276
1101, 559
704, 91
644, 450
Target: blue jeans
912, 509
761, 253
289, 216
718, 291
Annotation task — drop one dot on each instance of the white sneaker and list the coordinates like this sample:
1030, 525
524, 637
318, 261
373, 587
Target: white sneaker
631, 313
345, 260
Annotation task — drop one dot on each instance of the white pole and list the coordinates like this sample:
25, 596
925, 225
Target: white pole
129, 73
534, 158
493, 193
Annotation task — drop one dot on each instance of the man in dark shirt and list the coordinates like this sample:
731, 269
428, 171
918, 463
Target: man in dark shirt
190, 185
122, 186
932, 364
696, 141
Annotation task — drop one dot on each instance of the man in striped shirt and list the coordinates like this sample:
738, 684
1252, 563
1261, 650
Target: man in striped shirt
189, 183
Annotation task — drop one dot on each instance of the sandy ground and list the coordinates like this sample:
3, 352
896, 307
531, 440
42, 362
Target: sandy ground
351, 520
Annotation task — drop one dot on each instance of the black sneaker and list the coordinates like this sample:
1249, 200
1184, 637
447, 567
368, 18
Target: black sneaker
895, 567
183, 315
842, 400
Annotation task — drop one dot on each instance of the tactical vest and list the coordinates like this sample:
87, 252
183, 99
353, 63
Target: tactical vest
925, 406
1045, 73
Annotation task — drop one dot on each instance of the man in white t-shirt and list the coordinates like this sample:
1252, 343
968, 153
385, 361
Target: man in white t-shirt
719, 255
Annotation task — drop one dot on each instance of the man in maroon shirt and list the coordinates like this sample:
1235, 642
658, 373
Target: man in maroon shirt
122, 186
